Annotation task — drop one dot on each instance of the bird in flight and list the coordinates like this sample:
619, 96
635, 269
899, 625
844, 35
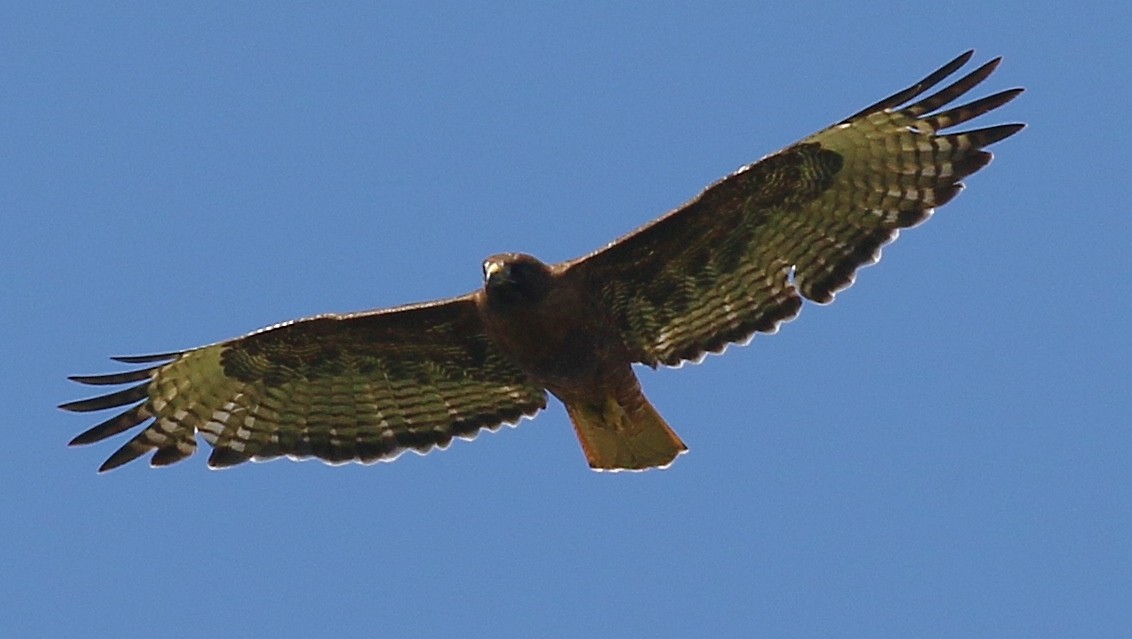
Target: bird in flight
736, 260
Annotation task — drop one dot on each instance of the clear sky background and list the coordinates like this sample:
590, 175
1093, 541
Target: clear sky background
945, 451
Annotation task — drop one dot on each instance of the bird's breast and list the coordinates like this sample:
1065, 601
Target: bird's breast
563, 342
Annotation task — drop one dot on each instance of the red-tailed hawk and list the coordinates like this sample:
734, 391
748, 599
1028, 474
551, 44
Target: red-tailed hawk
736, 260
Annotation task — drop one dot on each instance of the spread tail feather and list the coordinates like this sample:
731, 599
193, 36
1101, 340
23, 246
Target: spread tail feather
616, 438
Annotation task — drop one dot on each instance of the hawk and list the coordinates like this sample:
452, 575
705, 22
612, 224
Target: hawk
736, 260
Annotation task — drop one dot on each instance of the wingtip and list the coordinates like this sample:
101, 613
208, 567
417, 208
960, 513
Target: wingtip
996, 134
124, 455
93, 380
919, 88
957, 63
988, 67
90, 436
1011, 94
72, 406
109, 465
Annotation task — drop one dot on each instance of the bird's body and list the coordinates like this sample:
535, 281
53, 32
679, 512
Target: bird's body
529, 311
736, 260
522, 307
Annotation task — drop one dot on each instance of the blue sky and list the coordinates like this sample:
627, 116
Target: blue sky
944, 451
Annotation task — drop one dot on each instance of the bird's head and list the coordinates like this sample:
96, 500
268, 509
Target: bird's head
516, 277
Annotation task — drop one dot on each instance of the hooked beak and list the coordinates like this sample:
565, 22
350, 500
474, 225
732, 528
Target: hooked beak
495, 272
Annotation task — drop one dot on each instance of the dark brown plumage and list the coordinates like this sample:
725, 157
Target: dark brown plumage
736, 260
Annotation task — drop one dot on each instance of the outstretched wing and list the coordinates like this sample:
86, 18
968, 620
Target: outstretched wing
354, 387
739, 258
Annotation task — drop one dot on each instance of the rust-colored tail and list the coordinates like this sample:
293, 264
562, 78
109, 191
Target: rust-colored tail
615, 437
